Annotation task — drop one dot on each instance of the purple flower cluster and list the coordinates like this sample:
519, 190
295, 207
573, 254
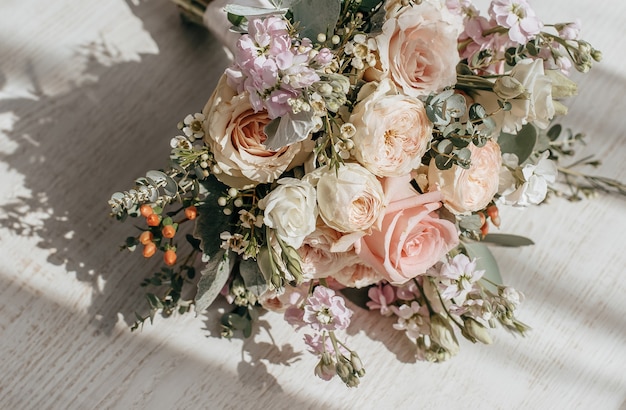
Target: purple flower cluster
271, 66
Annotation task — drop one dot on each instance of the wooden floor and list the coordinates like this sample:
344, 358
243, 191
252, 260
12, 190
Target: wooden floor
90, 93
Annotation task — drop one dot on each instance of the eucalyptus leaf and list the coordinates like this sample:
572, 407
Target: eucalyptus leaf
214, 277
470, 222
521, 144
315, 17
485, 261
508, 240
252, 277
211, 221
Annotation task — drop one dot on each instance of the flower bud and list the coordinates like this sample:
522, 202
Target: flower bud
507, 87
596, 55
474, 331
344, 370
357, 364
442, 334
561, 85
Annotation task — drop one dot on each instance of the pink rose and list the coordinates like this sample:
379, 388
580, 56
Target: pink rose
392, 130
418, 48
412, 239
469, 190
235, 135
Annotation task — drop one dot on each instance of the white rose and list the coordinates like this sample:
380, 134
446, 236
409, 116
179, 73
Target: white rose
392, 131
349, 198
290, 209
535, 107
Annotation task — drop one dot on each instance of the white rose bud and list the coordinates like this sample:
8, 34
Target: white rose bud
290, 209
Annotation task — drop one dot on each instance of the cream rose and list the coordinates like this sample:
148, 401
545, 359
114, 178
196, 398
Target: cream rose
349, 198
392, 130
291, 210
418, 48
235, 135
412, 237
536, 106
469, 190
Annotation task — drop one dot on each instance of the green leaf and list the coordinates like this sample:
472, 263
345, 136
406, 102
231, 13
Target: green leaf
252, 276
554, 132
485, 261
521, 144
211, 221
319, 16
214, 277
503, 239
357, 296
470, 222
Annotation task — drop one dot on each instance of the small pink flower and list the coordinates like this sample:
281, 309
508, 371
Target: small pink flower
381, 297
324, 310
458, 277
570, 31
518, 17
324, 57
295, 316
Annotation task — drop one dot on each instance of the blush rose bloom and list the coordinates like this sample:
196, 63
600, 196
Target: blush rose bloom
392, 131
412, 237
317, 259
418, 48
235, 136
350, 198
291, 210
469, 190
357, 275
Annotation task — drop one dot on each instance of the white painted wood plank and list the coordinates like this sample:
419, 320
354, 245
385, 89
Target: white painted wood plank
90, 93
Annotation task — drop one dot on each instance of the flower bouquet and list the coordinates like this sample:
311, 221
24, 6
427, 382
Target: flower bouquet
360, 149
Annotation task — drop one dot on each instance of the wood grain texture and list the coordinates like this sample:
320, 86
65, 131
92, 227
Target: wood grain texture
90, 93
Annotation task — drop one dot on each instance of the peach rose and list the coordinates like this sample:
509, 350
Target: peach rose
412, 239
317, 258
235, 135
392, 130
418, 48
357, 276
469, 190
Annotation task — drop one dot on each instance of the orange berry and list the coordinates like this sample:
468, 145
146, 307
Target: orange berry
494, 214
169, 257
146, 210
146, 237
191, 212
153, 220
149, 249
168, 231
